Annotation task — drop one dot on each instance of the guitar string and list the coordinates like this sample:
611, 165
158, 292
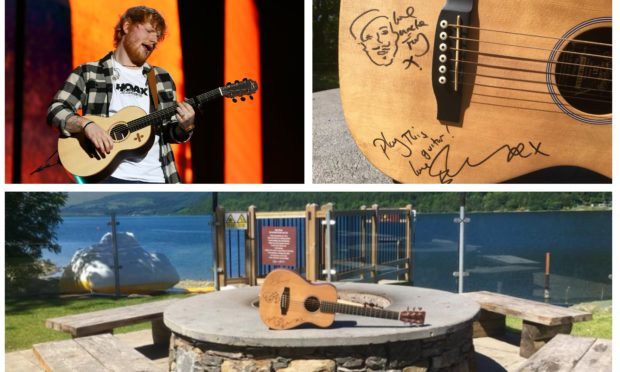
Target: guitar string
515, 98
527, 81
387, 312
474, 93
531, 35
525, 108
529, 71
557, 63
291, 300
531, 47
506, 56
543, 102
518, 69
142, 122
539, 101
507, 88
554, 74
526, 91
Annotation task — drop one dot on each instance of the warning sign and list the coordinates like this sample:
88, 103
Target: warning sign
236, 221
279, 245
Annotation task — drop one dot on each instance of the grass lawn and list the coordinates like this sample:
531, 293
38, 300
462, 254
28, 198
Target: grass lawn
599, 326
24, 321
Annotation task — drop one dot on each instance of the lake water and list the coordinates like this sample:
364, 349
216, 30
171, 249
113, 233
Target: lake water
505, 252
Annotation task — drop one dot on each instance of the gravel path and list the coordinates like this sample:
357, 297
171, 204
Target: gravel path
335, 156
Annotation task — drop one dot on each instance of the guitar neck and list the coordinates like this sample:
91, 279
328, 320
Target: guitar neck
373, 312
158, 117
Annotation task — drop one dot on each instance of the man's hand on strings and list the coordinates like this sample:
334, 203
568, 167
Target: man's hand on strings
102, 141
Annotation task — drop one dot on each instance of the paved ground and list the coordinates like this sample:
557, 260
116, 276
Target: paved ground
492, 355
335, 156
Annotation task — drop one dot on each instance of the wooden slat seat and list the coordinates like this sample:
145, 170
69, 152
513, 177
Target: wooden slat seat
566, 353
93, 353
541, 321
104, 321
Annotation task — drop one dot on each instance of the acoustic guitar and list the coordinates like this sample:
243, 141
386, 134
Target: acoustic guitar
287, 300
132, 131
477, 91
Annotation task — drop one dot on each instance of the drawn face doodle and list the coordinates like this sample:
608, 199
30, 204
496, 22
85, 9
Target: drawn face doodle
379, 42
376, 35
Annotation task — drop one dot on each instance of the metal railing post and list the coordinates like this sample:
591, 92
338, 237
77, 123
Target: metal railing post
408, 239
117, 278
374, 241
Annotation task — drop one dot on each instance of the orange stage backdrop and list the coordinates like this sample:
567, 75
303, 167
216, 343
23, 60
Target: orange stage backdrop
242, 122
92, 24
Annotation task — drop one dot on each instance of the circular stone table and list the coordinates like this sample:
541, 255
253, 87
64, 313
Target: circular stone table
223, 331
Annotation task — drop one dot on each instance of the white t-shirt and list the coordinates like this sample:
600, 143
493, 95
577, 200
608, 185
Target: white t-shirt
130, 89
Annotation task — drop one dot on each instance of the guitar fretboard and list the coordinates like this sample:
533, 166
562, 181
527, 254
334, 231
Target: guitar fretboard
334, 307
160, 116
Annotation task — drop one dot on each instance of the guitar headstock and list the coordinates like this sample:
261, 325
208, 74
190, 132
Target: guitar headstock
414, 316
245, 87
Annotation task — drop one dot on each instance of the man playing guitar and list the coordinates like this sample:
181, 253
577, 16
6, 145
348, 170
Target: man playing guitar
119, 80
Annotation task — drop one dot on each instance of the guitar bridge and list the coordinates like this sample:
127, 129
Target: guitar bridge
447, 53
285, 301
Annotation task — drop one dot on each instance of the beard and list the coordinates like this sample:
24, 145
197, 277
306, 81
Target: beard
135, 51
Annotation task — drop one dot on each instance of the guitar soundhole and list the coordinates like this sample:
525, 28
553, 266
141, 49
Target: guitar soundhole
119, 132
583, 71
312, 304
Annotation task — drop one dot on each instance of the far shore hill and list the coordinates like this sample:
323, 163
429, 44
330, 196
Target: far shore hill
201, 203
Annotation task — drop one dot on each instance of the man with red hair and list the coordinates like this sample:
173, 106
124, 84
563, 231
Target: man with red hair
119, 80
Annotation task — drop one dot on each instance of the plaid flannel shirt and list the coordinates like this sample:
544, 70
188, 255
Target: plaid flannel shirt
90, 87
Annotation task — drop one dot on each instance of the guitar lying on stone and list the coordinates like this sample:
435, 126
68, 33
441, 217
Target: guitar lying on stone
132, 131
287, 300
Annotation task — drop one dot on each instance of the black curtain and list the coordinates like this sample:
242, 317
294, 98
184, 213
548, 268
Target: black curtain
282, 87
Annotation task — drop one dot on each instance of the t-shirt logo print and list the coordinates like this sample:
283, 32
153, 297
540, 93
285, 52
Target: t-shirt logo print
127, 88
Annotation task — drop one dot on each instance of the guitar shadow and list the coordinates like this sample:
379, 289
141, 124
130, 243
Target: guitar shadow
335, 325
393, 326
352, 323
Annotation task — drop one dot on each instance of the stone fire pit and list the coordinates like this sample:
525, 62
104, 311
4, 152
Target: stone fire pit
222, 331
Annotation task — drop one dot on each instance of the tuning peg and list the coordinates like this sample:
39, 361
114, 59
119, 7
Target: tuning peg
236, 81
228, 84
234, 100
252, 98
242, 99
245, 79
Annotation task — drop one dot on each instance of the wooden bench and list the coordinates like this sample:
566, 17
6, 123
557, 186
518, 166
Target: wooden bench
541, 322
104, 321
566, 353
93, 353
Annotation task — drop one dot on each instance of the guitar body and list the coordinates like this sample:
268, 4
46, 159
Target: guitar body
519, 111
79, 156
297, 311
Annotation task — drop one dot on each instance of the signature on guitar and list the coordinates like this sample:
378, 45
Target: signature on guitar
436, 153
439, 166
